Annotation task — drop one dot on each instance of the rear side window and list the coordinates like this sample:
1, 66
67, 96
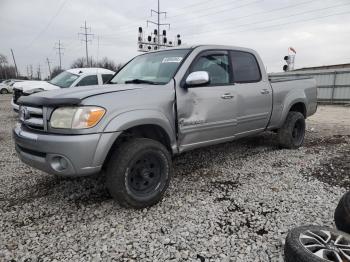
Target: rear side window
245, 67
88, 81
106, 77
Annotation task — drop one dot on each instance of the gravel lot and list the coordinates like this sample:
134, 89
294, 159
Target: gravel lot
231, 202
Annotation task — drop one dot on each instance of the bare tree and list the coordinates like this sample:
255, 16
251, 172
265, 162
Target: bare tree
103, 63
56, 71
3, 63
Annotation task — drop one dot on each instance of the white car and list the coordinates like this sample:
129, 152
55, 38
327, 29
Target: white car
70, 78
7, 85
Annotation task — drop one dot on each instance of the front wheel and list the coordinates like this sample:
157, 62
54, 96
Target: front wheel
4, 91
138, 172
291, 134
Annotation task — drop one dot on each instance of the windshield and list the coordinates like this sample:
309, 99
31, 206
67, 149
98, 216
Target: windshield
64, 80
152, 68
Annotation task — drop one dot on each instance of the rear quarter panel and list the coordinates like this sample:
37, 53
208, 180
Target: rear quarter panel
288, 93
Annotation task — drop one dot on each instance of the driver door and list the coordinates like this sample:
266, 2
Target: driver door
206, 113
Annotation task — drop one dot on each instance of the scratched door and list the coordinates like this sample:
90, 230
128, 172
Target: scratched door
206, 114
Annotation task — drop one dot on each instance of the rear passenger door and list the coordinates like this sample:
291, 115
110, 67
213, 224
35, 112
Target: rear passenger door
254, 96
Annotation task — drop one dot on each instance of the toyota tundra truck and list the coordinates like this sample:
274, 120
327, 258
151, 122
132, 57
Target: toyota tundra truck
158, 105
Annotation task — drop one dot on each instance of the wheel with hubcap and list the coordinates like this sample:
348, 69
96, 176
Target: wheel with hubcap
291, 134
138, 172
317, 244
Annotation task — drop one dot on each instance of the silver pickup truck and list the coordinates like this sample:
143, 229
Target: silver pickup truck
158, 105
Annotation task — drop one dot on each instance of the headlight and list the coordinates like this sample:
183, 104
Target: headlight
77, 117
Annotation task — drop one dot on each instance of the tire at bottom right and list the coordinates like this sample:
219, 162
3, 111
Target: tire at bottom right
342, 213
317, 244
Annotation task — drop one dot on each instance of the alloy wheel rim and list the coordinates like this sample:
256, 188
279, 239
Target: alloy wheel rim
327, 245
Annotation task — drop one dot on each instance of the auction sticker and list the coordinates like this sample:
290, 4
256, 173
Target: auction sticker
172, 59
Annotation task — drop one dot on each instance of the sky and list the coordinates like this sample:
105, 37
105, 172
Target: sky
318, 30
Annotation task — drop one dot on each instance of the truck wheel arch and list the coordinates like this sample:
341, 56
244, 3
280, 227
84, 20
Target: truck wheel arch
140, 123
298, 107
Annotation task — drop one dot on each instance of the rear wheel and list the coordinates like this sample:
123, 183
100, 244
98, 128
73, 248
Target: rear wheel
291, 134
342, 213
138, 172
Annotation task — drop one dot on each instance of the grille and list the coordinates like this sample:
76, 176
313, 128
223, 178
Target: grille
32, 117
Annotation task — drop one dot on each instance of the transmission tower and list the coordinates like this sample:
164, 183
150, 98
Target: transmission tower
59, 47
86, 39
156, 40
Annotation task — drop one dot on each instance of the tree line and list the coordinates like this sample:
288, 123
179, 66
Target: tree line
8, 71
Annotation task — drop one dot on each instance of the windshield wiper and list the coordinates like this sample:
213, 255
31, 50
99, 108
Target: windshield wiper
140, 81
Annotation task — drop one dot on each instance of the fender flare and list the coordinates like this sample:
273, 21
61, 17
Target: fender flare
140, 117
291, 99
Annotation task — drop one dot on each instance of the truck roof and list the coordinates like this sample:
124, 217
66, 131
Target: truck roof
90, 70
207, 46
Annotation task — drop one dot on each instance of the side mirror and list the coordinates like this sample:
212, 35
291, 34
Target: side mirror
197, 78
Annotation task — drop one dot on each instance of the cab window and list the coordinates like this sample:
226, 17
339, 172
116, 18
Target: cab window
217, 66
88, 81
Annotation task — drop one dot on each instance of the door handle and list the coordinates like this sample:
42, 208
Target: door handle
265, 92
227, 96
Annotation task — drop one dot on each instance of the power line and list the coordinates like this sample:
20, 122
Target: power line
48, 24
206, 8
278, 18
86, 40
125, 29
259, 13
278, 25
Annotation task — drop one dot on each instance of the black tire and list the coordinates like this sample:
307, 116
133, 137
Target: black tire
342, 213
291, 134
4, 91
295, 251
139, 172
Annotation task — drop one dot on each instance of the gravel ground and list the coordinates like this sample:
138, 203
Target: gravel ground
231, 202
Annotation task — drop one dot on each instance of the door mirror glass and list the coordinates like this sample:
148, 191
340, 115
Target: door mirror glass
197, 78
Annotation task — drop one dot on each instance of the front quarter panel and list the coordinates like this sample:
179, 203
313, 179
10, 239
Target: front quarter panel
144, 106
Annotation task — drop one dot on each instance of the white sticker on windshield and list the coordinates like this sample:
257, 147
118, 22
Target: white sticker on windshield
172, 59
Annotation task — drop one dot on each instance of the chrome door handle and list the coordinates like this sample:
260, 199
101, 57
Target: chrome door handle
265, 92
227, 96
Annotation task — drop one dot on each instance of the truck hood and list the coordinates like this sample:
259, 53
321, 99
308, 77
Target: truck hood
28, 86
73, 96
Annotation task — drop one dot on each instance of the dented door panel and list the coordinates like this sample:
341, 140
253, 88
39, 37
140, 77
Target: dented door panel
205, 116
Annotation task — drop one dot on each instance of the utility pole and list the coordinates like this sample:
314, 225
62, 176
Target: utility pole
39, 72
59, 47
158, 24
48, 64
14, 61
86, 40
31, 71
156, 40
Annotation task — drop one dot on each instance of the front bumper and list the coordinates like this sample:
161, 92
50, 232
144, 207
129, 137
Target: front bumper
65, 155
